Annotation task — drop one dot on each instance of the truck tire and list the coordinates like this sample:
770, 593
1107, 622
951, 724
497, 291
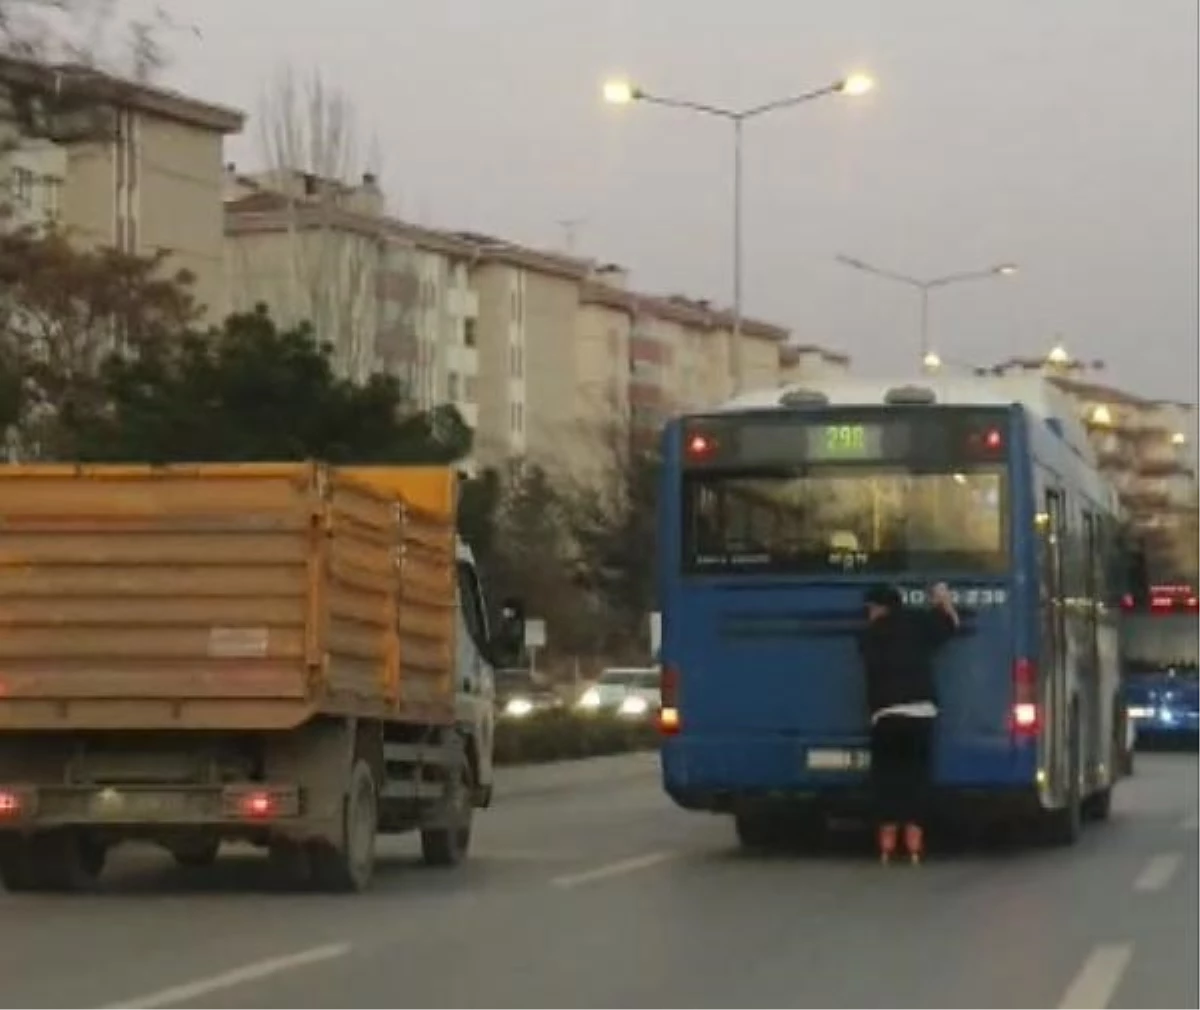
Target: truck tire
64, 859
198, 854
448, 844
349, 864
17, 871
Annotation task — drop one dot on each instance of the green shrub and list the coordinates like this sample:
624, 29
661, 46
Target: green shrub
567, 736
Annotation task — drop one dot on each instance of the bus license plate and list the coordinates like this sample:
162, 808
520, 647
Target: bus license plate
838, 759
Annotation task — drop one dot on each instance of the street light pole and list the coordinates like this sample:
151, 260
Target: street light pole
924, 286
620, 92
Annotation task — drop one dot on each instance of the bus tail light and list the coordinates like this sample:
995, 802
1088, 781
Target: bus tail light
1025, 716
668, 714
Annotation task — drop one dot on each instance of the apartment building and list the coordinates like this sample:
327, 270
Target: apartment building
647, 357
1148, 448
544, 354
386, 295
117, 163
798, 362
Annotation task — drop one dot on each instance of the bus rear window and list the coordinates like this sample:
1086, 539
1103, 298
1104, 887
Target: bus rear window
882, 519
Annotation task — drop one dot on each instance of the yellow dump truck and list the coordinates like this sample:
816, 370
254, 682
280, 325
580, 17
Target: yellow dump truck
292, 655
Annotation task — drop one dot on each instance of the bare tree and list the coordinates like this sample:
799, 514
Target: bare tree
90, 33
313, 161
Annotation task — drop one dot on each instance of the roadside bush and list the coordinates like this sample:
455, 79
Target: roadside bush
567, 736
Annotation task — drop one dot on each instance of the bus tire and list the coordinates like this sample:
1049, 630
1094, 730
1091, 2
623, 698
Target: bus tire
1063, 826
758, 830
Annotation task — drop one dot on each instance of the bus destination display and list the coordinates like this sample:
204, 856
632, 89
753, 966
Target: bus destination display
963, 437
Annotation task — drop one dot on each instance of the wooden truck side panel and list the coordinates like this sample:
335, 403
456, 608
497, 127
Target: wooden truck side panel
218, 597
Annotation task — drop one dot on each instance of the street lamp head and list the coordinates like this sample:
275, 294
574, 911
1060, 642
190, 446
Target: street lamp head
1006, 269
856, 84
620, 92
932, 361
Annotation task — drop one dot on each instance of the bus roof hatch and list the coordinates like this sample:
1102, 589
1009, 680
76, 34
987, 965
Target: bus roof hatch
910, 394
797, 396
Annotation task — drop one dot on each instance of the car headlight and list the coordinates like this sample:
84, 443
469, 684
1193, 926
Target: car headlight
518, 707
634, 704
590, 698
1140, 712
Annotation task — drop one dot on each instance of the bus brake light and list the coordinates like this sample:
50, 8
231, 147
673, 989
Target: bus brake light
668, 689
700, 445
1025, 717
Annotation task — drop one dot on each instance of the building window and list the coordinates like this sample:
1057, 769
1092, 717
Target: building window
452, 387
470, 333
22, 187
470, 386
52, 205
516, 418
516, 361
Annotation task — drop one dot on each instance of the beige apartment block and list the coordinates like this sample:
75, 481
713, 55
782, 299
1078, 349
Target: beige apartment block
648, 357
117, 163
800, 362
547, 356
1147, 447
386, 295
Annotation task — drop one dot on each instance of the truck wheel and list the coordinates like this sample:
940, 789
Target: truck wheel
16, 864
197, 854
66, 859
349, 864
448, 845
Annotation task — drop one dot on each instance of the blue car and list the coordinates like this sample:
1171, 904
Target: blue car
1163, 702
1159, 640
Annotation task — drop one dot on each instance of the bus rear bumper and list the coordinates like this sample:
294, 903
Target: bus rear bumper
724, 775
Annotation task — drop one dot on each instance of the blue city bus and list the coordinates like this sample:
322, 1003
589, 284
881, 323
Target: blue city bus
1160, 650
778, 509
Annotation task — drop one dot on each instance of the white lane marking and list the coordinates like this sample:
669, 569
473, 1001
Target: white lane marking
617, 869
1191, 823
1158, 872
1098, 979
189, 991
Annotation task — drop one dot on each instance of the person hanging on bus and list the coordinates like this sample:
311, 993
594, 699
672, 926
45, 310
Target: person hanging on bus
898, 646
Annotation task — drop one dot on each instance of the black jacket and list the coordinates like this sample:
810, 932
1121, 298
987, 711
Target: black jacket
897, 652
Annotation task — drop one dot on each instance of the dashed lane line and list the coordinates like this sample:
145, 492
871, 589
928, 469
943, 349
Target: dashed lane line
1093, 987
253, 972
1157, 873
617, 869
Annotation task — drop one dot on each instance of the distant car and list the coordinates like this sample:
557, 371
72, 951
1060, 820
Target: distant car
1163, 702
520, 694
631, 692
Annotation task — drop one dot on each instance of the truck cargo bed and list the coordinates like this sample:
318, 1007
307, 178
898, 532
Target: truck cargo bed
222, 597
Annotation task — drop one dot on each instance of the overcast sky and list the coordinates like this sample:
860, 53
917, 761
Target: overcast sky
1060, 134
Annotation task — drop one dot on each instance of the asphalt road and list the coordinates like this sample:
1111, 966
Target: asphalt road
603, 895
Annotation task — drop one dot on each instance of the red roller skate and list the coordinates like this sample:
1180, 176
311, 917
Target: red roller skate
888, 838
914, 842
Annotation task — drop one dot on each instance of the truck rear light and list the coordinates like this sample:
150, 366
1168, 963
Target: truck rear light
261, 803
10, 804
668, 721
258, 805
1025, 716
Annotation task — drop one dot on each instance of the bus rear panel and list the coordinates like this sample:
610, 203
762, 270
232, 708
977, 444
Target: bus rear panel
773, 524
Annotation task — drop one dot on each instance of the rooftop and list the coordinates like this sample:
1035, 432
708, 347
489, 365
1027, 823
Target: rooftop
70, 82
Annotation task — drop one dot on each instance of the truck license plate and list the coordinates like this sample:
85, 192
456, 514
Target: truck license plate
838, 759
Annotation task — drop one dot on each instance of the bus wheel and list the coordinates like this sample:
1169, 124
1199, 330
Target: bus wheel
1063, 826
758, 829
